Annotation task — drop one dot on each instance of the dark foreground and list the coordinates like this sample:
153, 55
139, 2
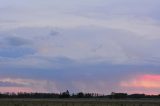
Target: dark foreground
77, 102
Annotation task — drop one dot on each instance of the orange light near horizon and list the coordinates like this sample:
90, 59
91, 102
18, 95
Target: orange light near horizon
148, 81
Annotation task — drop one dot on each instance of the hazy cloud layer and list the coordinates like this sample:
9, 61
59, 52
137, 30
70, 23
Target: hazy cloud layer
79, 45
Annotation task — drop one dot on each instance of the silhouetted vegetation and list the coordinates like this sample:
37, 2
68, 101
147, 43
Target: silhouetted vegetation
118, 95
67, 94
64, 94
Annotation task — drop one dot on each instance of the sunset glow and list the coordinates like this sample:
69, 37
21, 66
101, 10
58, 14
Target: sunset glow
15, 89
143, 81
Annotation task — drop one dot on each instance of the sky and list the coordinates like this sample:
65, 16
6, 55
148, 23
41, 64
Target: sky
99, 46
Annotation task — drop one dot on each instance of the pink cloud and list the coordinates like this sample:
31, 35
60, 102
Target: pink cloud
28, 85
151, 77
148, 81
15, 89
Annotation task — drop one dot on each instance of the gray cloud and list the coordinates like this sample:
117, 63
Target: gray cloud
111, 45
96, 46
16, 52
79, 77
54, 33
9, 84
17, 41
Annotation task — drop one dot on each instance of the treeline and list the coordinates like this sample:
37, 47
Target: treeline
131, 96
67, 94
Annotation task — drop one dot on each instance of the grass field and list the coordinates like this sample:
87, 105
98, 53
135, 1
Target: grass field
77, 102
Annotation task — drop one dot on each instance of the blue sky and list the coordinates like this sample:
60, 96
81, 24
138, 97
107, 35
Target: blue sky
85, 45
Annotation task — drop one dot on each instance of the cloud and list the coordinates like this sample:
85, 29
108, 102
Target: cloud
54, 33
76, 77
16, 52
100, 86
143, 81
27, 85
105, 42
8, 84
17, 41
15, 89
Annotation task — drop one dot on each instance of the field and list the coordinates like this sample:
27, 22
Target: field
77, 102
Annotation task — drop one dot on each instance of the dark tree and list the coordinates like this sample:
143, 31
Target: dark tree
65, 94
80, 95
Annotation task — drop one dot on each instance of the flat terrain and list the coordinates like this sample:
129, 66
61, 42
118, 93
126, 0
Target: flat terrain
77, 102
